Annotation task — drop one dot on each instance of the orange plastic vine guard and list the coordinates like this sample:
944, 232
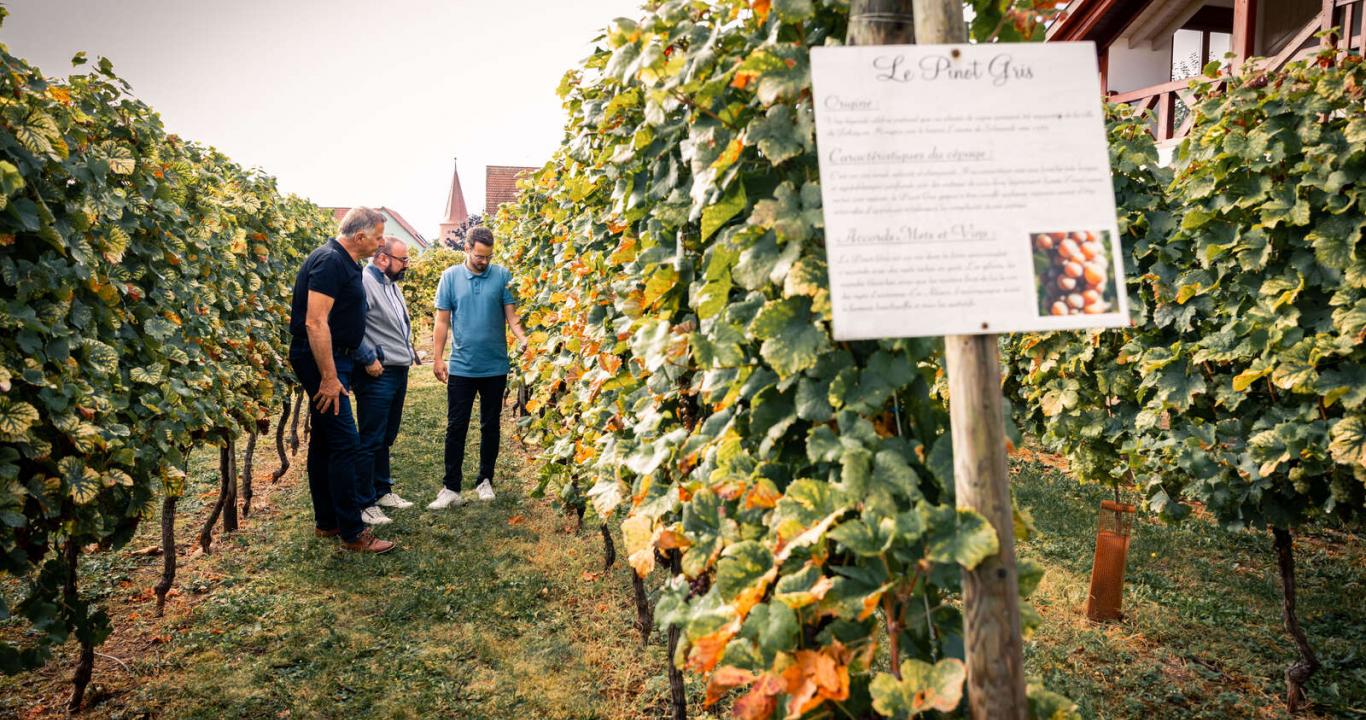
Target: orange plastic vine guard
1107, 570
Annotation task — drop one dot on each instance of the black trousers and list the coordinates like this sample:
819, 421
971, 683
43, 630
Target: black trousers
333, 448
460, 392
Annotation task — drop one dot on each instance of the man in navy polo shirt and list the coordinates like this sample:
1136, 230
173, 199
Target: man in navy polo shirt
327, 321
475, 307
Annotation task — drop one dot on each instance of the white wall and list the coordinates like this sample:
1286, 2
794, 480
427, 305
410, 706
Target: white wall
1140, 67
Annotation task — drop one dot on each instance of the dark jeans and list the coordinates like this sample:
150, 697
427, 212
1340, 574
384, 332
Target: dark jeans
460, 392
379, 408
333, 448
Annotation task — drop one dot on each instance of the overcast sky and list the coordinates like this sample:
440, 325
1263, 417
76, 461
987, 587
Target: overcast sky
347, 102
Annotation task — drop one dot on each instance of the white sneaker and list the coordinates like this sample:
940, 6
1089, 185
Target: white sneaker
445, 499
374, 516
392, 500
484, 490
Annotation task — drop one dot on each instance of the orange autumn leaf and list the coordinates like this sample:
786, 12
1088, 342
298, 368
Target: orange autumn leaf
516, 520
762, 494
814, 678
672, 540
746, 599
706, 650
723, 680
870, 604
761, 700
742, 79
730, 154
761, 8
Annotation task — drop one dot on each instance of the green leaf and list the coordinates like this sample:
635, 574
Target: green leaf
794, 11
82, 482
716, 215
1348, 441
922, 688
1346, 384
1335, 239
773, 627
793, 341
15, 420
781, 133
967, 542
867, 537
119, 157
741, 567
1046, 705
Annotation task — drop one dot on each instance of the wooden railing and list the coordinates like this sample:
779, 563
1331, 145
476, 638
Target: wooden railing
1343, 14
1161, 100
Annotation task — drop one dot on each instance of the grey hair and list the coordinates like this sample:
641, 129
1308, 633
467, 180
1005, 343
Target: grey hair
387, 245
357, 220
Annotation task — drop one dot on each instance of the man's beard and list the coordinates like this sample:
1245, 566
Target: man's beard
396, 276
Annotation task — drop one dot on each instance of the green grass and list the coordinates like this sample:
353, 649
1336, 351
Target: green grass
499, 610
1202, 634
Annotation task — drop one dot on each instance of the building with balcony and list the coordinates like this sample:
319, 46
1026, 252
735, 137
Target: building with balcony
1148, 49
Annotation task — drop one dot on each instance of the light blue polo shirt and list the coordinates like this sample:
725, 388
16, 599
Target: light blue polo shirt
478, 324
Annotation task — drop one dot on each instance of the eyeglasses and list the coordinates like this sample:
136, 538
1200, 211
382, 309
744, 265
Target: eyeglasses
403, 260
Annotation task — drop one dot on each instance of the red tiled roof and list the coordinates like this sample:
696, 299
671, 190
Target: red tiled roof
500, 185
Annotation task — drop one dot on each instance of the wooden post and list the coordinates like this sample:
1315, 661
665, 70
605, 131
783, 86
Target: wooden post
1244, 31
991, 595
991, 601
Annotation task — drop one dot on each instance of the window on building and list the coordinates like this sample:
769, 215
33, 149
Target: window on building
1206, 37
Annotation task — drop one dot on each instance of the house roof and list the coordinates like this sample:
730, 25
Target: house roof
1100, 21
394, 224
500, 185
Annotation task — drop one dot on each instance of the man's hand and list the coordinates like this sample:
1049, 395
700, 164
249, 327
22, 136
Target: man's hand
441, 371
375, 369
329, 396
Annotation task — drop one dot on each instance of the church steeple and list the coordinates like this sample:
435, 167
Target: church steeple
456, 213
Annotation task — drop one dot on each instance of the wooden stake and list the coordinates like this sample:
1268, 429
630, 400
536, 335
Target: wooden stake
991, 595
991, 601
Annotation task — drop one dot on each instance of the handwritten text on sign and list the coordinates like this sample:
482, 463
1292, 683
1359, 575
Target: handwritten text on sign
966, 189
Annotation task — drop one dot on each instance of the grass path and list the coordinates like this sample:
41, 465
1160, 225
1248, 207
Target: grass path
498, 610
492, 610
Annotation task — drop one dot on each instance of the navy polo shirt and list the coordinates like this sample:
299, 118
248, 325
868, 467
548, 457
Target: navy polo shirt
330, 270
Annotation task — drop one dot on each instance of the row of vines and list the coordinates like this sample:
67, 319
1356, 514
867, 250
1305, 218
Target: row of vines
143, 294
1242, 385
797, 492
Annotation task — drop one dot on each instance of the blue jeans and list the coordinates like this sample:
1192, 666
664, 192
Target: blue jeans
333, 448
379, 409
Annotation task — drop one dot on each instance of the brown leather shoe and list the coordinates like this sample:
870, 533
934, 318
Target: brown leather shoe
326, 533
368, 543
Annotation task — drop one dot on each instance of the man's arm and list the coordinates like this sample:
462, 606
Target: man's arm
367, 356
320, 342
441, 326
510, 312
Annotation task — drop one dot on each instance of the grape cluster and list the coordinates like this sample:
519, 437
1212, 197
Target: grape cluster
1077, 276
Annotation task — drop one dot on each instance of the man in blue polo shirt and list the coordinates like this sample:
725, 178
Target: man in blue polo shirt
327, 321
475, 307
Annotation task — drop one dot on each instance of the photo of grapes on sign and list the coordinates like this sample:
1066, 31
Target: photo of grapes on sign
1072, 271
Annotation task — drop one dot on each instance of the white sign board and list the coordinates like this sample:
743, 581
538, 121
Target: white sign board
966, 189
